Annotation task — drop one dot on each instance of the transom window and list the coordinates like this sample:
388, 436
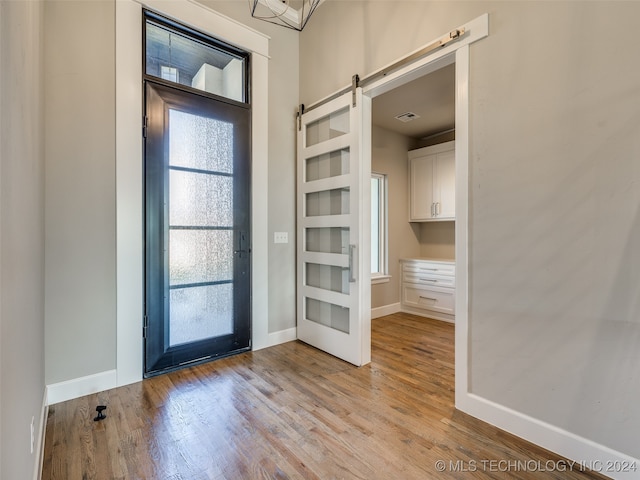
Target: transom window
194, 60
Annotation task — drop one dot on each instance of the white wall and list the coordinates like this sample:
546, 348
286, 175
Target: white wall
554, 227
80, 188
21, 235
389, 156
437, 240
555, 219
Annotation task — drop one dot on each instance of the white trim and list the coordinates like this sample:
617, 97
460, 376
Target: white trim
571, 446
205, 19
382, 274
129, 181
259, 204
79, 387
455, 52
378, 312
432, 149
281, 336
548, 436
462, 225
376, 279
129, 201
443, 317
39, 450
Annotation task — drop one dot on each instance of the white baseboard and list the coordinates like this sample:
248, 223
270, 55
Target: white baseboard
445, 317
79, 387
39, 446
385, 310
587, 454
276, 338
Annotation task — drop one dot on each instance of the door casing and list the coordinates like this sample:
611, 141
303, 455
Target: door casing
129, 180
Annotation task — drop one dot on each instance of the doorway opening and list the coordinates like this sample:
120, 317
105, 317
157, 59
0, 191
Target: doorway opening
358, 98
459, 58
197, 198
414, 117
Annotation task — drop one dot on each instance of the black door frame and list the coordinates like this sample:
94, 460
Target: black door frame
159, 355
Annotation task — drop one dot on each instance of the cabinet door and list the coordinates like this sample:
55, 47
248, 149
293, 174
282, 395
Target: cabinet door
421, 188
445, 185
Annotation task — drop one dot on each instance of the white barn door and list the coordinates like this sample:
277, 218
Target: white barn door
334, 237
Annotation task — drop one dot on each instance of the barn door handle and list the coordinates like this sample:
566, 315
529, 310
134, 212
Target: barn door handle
352, 249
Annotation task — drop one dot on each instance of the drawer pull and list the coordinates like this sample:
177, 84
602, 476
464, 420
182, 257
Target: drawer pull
429, 298
429, 269
428, 280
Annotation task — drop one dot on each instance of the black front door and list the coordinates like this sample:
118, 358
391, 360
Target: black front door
197, 207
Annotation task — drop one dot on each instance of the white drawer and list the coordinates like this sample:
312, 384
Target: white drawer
428, 279
436, 299
434, 268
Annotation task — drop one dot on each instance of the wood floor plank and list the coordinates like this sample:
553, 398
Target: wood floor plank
293, 412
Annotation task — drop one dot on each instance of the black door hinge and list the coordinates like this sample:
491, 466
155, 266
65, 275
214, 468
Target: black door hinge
145, 326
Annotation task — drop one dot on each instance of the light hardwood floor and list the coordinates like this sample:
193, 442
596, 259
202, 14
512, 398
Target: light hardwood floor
291, 411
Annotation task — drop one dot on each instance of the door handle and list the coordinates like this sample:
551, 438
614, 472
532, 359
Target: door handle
242, 241
352, 249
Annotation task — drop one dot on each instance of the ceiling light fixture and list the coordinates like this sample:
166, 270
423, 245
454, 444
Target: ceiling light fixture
281, 12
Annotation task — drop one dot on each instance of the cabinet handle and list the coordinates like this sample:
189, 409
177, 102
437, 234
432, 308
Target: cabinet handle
428, 280
429, 269
429, 298
432, 210
437, 208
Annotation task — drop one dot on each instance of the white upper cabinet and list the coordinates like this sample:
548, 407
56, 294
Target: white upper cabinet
432, 183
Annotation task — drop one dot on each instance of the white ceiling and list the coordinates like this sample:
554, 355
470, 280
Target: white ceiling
432, 97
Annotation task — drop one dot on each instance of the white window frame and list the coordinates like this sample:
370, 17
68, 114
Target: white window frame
382, 275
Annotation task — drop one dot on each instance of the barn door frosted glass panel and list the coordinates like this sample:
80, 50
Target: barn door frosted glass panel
324, 203
328, 277
327, 165
327, 314
201, 248
327, 240
331, 126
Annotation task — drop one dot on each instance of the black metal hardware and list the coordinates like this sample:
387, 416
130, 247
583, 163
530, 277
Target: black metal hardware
101, 416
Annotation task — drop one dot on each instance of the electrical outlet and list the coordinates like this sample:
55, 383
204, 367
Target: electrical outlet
33, 436
280, 237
